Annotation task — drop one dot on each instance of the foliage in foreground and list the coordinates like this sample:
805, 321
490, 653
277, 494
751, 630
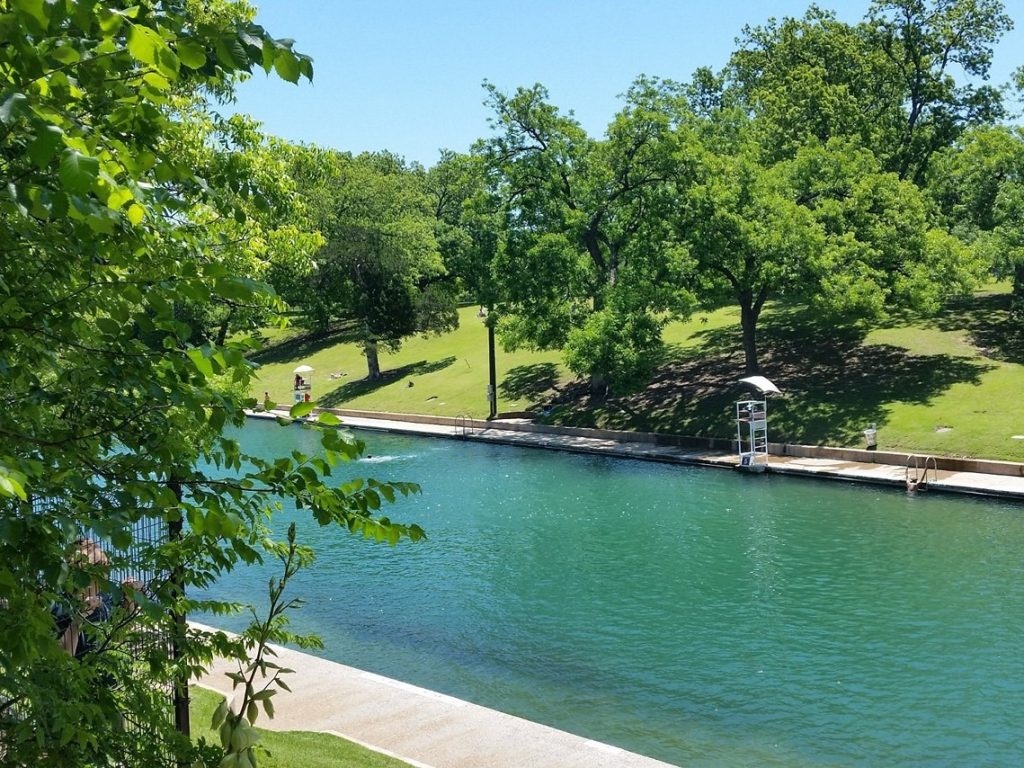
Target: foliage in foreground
125, 202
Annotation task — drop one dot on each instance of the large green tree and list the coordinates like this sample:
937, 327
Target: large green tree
108, 409
978, 185
904, 83
467, 224
828, 228
583, 246
379, 270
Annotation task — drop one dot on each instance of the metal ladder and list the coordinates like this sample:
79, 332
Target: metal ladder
919, 480
464, 425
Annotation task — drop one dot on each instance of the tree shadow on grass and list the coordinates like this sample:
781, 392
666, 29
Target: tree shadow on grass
360, 387
987, 319
302, 347
834, 386
529, 381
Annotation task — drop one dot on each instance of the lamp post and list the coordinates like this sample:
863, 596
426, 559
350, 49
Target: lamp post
492, 383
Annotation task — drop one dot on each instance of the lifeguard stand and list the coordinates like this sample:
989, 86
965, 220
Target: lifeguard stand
302, 387
752, 426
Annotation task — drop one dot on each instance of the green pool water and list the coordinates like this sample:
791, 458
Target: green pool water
698, 616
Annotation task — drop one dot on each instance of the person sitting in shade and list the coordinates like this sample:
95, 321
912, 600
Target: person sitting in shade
91, 607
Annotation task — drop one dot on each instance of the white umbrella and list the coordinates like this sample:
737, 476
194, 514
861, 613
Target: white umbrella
761, 384
303, 369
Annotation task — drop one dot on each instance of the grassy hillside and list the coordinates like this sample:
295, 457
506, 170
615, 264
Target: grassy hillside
448, 374
946, 385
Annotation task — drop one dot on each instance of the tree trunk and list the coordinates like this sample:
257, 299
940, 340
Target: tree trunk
748, 320
222, 331
372, 362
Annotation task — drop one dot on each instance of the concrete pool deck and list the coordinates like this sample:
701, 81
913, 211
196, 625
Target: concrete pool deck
423, 728
983, 483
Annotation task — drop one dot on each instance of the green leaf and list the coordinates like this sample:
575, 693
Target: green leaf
201, 362
118, 197
236, 288
328, 419
299, 410
287, 65
12, 106
167, 62
191, 54
217, 418
65, 54
219, 714
77, 171
109, 326
44, 146
157, 81
11, 487
38, 10
231, 53
225, 737
144, 44
135, 213
110, 22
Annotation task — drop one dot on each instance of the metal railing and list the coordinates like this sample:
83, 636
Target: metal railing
916, 476
465, 425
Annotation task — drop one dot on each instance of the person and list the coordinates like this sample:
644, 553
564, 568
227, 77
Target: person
91, 607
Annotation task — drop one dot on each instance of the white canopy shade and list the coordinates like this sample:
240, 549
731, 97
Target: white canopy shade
303, 369
761, 384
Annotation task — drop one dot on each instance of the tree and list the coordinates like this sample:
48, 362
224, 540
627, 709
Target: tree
925, 41
107, 408
258, 223
827, 227
379, 268
888, 83
466, 221
978, 185
583, 225
809, 80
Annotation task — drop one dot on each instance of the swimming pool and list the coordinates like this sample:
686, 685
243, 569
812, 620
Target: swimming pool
702, 617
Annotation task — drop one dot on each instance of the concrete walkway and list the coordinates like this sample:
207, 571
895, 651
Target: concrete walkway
424, 728
1006, 486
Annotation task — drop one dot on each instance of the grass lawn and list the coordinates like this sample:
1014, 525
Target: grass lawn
945, 385
291, 749
448, 373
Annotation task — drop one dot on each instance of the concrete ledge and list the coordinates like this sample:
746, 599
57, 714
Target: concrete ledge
726, 445
421, 727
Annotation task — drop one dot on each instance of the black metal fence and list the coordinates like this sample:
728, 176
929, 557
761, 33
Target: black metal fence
142, 642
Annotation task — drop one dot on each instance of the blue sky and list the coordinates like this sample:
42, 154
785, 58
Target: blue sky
405, 75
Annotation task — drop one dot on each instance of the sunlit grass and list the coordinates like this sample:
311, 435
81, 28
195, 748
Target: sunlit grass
290, 749
946, 385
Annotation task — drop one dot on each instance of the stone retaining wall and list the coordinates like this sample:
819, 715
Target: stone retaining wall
724, 445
